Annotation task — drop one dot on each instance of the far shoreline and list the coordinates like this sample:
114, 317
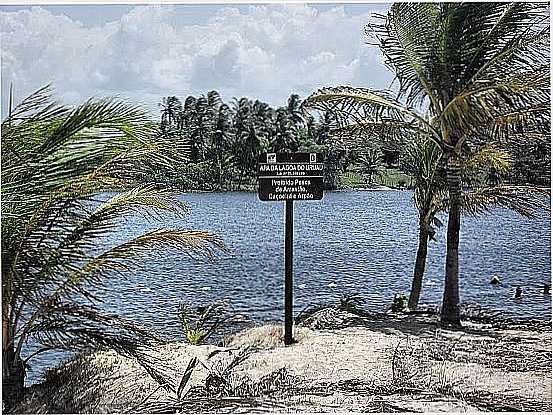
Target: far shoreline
343, 190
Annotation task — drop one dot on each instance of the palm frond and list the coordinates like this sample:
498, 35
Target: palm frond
144, 199
351, 107
120, 259
355, 135
75, 327
516, 42
124, 257
490, 102
527, 201
106, 113
197, 244
59, 252
489, 156
406, 36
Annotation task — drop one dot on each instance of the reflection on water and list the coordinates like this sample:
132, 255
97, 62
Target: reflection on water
349, 242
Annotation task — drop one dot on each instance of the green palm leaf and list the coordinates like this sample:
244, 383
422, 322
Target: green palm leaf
55, 162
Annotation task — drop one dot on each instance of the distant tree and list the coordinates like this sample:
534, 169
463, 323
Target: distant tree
293, 108
171, 107
284, 138
371, 164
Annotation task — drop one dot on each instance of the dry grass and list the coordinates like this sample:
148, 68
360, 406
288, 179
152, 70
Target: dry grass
344, 360
264, 337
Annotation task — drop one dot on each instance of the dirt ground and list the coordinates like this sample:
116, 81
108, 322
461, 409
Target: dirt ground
341, 362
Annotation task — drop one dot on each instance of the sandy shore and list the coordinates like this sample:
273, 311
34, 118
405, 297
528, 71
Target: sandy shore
341, 362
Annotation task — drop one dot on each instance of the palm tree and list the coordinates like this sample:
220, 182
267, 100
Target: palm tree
171, 108
370, 164
293, 107
54, 161
284, 134
424, 163
481, 71
220, 142
189, 122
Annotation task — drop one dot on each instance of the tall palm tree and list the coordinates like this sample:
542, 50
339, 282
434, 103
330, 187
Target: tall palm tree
189, 121
284, 134
424, 162
55, 160
220, 142
293, 106
370, 164
480, 70
171, 108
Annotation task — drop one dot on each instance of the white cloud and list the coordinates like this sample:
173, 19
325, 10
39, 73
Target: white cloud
264, 52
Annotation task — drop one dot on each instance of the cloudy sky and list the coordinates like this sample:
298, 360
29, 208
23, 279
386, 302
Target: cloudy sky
146, 52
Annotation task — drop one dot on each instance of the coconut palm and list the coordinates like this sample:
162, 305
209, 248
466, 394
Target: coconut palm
370, 164
284, 137
171, 107
55, 162
220, 143
293, 106
480, 70
424, 163
422, 160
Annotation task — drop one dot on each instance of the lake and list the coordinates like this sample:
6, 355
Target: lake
350, 242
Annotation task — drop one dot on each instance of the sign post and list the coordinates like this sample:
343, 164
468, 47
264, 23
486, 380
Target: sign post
289, 272
288, 177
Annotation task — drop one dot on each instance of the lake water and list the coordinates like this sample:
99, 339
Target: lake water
350, 242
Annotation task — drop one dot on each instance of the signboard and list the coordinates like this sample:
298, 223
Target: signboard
290, 176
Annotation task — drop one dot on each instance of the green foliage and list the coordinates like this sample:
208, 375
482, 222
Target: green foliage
370, 164
218, 144
395, 179
351, 180
55, 161
399, 303
198, 324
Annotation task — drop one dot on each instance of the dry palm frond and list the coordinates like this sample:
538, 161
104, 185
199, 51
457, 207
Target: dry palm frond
142, 199
76, 327
527, 201
357, 110
489, 156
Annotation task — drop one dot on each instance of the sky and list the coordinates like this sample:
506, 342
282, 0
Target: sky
145, 52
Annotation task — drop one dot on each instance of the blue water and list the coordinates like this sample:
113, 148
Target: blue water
363, 242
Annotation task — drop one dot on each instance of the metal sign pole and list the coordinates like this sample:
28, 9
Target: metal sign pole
288, 177
288, 272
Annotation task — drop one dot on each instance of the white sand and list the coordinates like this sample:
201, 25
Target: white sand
324, 358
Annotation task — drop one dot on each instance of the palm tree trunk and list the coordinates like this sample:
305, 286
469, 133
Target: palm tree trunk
239, 180
420, 263
220, 167
13, 369
450, 314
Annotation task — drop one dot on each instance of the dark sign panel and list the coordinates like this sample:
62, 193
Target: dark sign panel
290, 176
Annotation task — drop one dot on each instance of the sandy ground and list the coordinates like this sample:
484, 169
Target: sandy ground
341, 362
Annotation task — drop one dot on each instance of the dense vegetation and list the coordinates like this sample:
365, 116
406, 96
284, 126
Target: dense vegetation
217, 146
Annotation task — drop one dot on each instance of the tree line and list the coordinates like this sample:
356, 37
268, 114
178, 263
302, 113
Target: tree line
217, 145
